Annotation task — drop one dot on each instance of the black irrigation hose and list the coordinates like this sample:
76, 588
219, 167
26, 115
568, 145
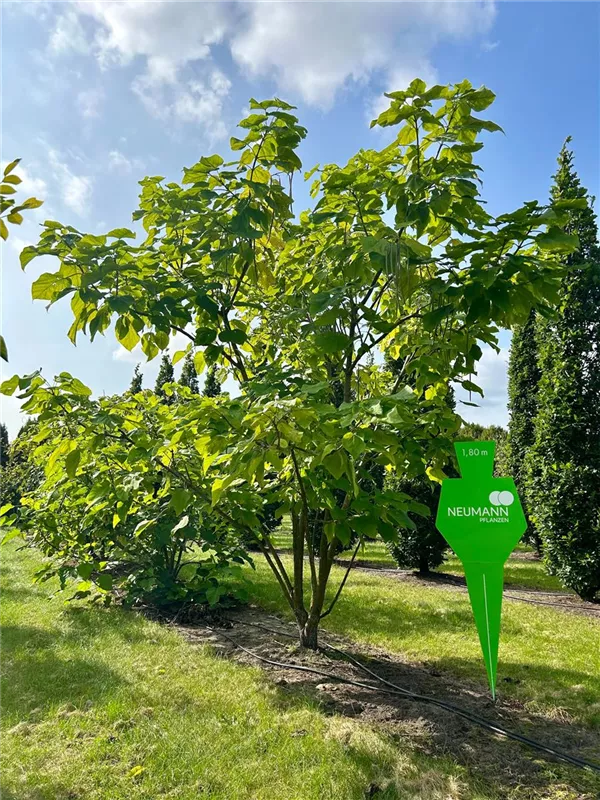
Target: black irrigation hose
564, 606
398, 690
575, 760
549, 592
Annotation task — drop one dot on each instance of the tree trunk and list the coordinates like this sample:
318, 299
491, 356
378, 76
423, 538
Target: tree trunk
423, 565
589, 595
309, 634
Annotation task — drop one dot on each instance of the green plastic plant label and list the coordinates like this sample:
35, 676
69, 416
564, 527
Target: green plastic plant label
482, 520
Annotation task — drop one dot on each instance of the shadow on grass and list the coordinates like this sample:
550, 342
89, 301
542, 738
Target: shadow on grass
371, 605
20, 594
34, 675
7, 794
85, 622
51, 791
518, 573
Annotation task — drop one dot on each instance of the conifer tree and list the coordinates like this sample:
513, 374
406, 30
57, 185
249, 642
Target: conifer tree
4, 445
523, 386
136, 381
212, 387
166, 374
189, 376
563, 465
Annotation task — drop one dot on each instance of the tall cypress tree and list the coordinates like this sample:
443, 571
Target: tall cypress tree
563, 466
212, 387
136, 381
166, 374
523, 387
189, 376
4, 445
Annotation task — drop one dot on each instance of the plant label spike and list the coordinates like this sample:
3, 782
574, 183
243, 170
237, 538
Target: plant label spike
482, 520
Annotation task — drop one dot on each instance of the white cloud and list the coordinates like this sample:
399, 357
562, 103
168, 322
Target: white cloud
134, 356
117, 162
17, 243
488, 46
168, 34
89, 102
399, 78
68, 34
492, 376
309, 49
75, 190
200, 101
314, 50
203, 102
40, 9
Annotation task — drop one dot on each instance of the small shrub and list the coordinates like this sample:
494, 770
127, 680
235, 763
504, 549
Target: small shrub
424, 547
18, 474
112, 513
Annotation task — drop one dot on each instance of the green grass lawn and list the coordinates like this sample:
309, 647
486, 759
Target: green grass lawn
105, 705
518, 572
552, 658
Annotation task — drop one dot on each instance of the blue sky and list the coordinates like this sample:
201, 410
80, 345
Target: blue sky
98, 94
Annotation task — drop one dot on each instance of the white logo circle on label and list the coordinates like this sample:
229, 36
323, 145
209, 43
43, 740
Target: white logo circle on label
502, 498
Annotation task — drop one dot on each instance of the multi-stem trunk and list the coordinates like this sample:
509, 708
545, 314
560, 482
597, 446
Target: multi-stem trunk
307, 619
309, 630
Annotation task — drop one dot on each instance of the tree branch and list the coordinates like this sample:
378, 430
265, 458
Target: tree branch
342, 584
350, 362
364, 350
298, 540
311, 555
282, 584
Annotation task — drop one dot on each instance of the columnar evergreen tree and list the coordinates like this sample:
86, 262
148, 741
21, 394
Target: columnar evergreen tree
523, 387
4, 445
136, 381
563, 466
189, 376
166, 374
212, 387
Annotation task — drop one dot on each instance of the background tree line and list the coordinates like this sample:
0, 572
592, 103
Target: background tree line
552, 446
554, 402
